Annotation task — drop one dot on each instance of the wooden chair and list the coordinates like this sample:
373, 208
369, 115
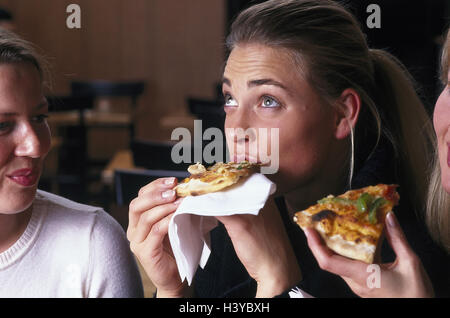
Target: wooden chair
155, 155
68, 123
209, 111
98, 89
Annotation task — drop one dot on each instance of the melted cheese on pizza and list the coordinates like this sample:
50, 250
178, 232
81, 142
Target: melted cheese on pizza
340, 217
214, 178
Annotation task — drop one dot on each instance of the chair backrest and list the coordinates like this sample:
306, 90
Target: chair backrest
108, 88
72, 154
209, 111
69, 102
155, 155
127, 183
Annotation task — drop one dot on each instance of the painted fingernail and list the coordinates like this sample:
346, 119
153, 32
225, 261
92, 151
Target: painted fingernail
169, 181
168, 194
390, 219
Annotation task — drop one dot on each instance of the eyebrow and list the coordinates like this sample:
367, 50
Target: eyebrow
258, 82
37, 108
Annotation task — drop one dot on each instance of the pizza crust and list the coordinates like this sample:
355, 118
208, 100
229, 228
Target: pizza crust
196, 187
363, 251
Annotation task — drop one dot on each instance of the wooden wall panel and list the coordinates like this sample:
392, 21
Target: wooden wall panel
176, 46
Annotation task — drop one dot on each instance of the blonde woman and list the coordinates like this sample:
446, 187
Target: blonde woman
49, 246
406, 277
347, 117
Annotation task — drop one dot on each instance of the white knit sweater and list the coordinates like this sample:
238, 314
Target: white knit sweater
69, 250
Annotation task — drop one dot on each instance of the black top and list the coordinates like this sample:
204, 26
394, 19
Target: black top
225, 276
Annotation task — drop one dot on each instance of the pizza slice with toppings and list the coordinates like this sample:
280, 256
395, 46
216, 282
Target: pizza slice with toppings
215, 178
352, 224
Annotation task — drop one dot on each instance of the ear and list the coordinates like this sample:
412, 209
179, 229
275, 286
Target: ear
348, 106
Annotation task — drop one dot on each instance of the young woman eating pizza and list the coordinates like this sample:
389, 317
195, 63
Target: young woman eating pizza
347, 116
49, 246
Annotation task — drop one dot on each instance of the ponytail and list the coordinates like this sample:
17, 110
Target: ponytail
406, 123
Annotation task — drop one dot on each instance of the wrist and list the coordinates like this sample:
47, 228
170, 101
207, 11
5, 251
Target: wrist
168, 294
277, 283
183, 292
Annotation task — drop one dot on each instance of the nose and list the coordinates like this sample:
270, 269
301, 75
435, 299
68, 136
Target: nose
30, 143
238, 126
241, 137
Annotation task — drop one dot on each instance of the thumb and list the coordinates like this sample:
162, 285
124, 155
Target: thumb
396, 237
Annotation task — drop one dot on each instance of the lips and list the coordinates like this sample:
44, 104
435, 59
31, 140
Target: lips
244, 157
24, 177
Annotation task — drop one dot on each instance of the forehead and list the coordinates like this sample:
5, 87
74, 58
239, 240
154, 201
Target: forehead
256, 60
20, 85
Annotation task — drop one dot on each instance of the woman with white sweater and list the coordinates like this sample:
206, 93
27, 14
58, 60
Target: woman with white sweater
49, 246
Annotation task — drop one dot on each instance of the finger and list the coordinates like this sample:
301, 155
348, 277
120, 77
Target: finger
396, 237
154, 196
331, 262
158, 234
151, 217
161, 182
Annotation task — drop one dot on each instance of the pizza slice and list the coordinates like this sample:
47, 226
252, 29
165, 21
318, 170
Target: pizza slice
215, 178
352, 224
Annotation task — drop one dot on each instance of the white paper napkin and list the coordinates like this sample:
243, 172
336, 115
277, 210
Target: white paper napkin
193, 220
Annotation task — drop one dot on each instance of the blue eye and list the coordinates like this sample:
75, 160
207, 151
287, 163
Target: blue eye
229, 101
269, 102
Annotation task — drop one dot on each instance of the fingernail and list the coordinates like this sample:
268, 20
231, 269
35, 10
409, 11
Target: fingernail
168, 194
390, 219
178, 201
169, 181
306, 231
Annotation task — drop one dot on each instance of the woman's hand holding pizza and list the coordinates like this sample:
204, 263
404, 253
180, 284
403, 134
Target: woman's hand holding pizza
263, 247
405, 277
149, 217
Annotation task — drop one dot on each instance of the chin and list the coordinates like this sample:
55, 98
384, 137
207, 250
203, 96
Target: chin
18, 202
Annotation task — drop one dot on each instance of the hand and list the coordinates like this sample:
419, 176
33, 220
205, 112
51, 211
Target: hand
263, 247
149, 218
405, 277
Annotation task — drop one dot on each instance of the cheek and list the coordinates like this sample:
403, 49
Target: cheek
303, 147
441, 121
45, 139
6, 152
441, 116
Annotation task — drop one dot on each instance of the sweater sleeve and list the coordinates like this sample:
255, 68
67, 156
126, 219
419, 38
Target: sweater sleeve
113, 271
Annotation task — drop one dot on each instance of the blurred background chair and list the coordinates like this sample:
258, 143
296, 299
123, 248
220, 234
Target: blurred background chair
209, 111
115, 104
155, 155
66, 166
127, 184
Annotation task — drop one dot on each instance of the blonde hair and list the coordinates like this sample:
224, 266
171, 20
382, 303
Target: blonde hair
437, 215
327, 44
